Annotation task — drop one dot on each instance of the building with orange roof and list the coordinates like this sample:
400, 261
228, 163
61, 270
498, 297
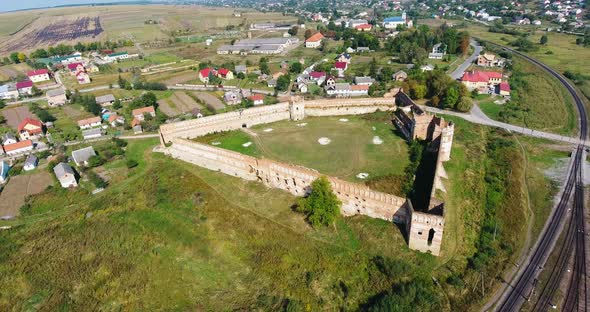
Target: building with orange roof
315, 41
18, 147
30, 129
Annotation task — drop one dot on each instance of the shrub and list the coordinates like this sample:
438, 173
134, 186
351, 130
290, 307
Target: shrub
131, 163
321, 206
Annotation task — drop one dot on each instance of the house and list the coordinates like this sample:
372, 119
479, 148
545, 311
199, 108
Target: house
225, 73
427, 67
519, 20
83, 78
303, 78
258, 99
355, 23
438, 51
8, 92
38, 75
504, 89
92, 68
4, 168
232, 98
480, 80
140, 113
75, 68
400, 76
315, 41
8, 138
364, 27
82, 155
30, 129
25, 87
490, 60
31, 163
105, 100
363, 49
65, 175
89, 123
92, 133
363, 81
116, 56
318, 77
19, 147
137, 129
116, 120
56, 97
241, 69
271, 83
393, 22
302, 87
341, 68
346, 90
205, 73
344, 57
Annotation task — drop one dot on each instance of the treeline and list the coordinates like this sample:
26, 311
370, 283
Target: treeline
139, 84
413, 46
88, 102
64, 49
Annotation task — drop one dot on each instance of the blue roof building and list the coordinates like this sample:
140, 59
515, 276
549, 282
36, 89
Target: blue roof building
4, 168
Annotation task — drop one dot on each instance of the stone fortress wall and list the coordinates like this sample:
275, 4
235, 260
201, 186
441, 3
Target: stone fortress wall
357, 199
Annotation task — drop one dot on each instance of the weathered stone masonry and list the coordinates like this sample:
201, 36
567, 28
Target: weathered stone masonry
356, 198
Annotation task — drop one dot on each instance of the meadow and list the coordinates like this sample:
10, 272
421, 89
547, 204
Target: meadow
350, 152
167, 234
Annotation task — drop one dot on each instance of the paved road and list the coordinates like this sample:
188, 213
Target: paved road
461, 69
478, 117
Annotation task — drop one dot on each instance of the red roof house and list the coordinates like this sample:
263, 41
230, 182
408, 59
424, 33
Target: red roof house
258, 99
504, 88
225, 73
24, 84
30, 128
317, 75
481, 76
38, 72
205, 72
364, 27
341, 65
15, 147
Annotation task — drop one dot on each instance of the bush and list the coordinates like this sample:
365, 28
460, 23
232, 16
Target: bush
321, 206
465, 104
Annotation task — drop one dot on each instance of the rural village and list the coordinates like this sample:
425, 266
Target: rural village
413, 125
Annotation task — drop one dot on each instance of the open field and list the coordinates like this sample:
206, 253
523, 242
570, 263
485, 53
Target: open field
19, 187
178, 103
8, 72
126, 22
350, 152
15, 115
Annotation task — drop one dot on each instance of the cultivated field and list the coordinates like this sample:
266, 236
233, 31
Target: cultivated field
15, 115
8, 72
351, 150
178, 103
210, 99
19, 187
21, 29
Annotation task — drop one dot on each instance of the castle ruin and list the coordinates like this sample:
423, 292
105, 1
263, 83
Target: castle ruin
425, 228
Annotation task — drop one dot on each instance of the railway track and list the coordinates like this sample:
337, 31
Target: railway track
523, 285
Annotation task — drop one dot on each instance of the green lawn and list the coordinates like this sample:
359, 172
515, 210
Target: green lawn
350, 152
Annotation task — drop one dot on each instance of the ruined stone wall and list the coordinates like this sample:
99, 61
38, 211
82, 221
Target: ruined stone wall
225, 122
425, 231
356, 199
339, 107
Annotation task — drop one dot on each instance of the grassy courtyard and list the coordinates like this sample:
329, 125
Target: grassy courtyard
351, 149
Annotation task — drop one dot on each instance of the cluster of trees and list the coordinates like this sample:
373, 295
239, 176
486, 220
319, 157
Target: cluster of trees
585, 40
88, 102
524, 45
413, 46
321, 206
442, 90
42, 113
139, 84
577, 78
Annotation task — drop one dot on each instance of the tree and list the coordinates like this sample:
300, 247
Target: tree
2, 104
2, 119
418, 91
543, 40
283, 83
321, 206
14, 57
465, 104
296, 68
451, 98
293, 31
263, 64
95, 161
308, 33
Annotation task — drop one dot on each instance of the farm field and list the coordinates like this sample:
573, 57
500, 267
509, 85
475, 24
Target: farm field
178, 103
351, 150
210, 100
19, 187
119, 22
14, 115
8, 72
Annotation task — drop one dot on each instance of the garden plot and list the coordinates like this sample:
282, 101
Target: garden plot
15, 115
210, 100
18, 188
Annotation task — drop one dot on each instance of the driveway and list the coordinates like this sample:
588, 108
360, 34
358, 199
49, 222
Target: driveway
458, 73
